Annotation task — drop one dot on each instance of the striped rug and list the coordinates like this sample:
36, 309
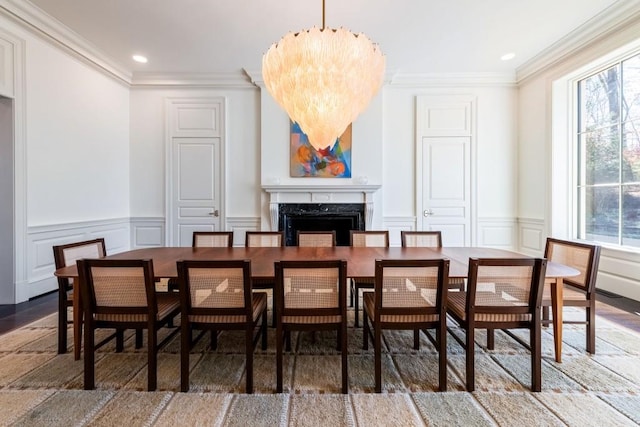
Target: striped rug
39, 387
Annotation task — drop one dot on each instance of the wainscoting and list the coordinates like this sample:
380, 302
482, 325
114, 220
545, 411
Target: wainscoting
40, 240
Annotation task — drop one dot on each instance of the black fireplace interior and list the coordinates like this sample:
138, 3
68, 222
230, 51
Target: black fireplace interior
341, 217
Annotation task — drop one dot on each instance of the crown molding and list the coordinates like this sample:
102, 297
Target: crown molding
453, 79
614, 18
38, 22
215, 79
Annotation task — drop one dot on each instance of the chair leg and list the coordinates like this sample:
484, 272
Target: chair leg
62, 322
89, 358
416, 339
491, 339
545, 315
441, 339
138, 338
470, 359
279, 345
339, 340
287, 337
249, 357
152, 363
356, 305
365, 331
343, 344
119, 340
185, 347
351, 291
273, 311
214, 339
536, 359
264, 329
591, 327
377, 357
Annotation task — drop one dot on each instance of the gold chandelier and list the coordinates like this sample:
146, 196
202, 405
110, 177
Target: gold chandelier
323, 78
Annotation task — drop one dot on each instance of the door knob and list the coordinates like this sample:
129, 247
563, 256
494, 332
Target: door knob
215, 213
427, 212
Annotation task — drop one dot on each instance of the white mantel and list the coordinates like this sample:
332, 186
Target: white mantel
358, 193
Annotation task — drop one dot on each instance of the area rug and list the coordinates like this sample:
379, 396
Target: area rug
40, 388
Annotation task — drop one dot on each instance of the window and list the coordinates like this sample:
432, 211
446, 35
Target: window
608, 181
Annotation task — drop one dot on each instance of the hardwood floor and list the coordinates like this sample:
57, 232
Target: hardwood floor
14, 316
615, 308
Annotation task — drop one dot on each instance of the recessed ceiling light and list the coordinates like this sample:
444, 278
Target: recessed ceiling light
139, 58
508, 56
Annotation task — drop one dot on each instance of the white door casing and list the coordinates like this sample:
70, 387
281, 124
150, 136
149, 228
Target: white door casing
444, 141
195, 174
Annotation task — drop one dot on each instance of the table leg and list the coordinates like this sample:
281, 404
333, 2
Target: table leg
77, 320
556, 309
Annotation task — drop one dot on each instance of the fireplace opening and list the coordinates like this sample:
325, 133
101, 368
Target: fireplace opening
341, 217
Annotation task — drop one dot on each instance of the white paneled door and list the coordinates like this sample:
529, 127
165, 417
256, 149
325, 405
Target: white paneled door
195, 153
443, 166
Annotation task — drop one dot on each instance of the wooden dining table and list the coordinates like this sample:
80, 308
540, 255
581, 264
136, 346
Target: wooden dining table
360, 265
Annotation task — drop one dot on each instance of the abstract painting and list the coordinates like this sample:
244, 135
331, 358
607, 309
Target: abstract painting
306, 161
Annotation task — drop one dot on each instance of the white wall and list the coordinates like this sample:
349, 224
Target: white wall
78, 139
76, 134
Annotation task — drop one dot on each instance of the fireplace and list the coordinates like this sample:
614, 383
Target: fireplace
318, 207
341, 217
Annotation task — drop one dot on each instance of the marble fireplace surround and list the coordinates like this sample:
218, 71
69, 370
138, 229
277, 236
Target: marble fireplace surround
321, 194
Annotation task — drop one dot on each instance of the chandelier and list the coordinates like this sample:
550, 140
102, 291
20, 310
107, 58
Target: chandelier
323, 78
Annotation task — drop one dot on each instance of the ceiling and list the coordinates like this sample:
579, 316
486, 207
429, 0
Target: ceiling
417, 36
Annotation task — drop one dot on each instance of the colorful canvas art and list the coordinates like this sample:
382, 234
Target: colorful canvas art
306, 161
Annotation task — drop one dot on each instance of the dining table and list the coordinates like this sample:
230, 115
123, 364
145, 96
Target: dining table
360, 265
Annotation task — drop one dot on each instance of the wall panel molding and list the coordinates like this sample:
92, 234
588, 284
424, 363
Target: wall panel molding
147, 232
41, 239
531, 236
498, 233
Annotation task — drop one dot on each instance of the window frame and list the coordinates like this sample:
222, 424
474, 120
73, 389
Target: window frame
578, 217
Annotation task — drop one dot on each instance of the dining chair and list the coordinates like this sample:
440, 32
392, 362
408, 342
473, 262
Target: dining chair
361, 239
409, 295
502, 294
212, 239
64, 256
120, 294
311, 295
263, 239
321, 239
428, 239
217, 296
578, 291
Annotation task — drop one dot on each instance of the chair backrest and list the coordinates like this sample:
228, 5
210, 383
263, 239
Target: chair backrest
319, 239
68, 254
220, 287
583, 257
311, 288
409, 287
264, 239
421, 239
505, 286
212, 239
118, 286
378, 239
